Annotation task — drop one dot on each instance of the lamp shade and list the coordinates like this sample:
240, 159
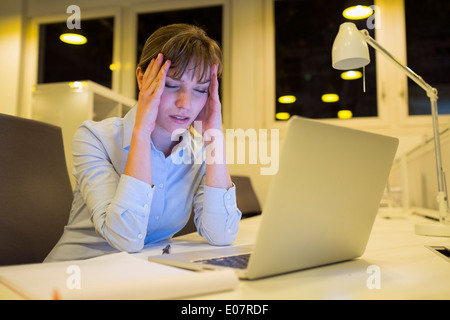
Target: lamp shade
350, 50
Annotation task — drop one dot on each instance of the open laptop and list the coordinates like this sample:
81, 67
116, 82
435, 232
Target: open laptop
321, 204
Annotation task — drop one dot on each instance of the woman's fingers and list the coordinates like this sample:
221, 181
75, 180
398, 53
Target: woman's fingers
155, 79
213, 99
152, 71
214, 84
149, 98
160, 81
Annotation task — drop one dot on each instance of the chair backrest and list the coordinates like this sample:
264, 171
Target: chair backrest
35, 189
246, 198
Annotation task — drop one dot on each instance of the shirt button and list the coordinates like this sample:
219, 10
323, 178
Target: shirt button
149, 194
140, 236
228, 197
161, 186
145, 206
157, 217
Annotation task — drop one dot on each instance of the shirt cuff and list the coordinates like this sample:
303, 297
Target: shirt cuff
220, 201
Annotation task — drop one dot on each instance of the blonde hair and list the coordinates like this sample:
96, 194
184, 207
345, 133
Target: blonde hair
183, 45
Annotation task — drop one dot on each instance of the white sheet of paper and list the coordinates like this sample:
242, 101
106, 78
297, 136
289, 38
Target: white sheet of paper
117, 276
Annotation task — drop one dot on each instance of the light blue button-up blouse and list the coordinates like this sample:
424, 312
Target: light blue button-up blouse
115, 212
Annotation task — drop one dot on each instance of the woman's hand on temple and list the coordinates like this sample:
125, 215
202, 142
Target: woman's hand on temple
211, 115
151, 86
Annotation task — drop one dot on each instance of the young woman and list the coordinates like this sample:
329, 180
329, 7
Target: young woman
130, 192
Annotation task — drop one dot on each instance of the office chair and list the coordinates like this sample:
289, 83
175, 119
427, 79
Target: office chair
35, 190
246, 201
246, 198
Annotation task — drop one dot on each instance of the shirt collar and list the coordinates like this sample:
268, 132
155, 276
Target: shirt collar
128, 125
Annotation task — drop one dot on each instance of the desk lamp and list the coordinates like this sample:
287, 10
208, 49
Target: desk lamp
349, 52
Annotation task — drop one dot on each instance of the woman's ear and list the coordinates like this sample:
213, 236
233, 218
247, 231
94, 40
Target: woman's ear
139, 76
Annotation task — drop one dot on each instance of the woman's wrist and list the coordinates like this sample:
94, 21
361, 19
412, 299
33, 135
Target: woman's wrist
142, 132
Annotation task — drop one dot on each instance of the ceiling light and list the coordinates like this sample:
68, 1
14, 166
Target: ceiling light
287, 99
345, 114
330, 97
73, 38
351, 75
282, 116
78, 85
357, 12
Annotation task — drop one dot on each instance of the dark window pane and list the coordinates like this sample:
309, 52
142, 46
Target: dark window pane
428, 51
304, 34
59, 61
208, 18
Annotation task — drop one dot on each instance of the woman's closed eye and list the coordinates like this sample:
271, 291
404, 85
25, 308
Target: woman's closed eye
201, 90
176, 87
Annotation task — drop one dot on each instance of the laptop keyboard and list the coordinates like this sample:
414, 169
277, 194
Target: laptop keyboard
239, 261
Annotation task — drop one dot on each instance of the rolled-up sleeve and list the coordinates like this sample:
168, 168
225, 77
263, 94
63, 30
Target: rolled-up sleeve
216, 214
119, 204
124, 224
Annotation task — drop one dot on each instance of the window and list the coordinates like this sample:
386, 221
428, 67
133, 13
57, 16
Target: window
304, 34
428, 35
60, 61
208, 18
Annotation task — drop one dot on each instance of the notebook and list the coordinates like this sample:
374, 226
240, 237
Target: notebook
321, 204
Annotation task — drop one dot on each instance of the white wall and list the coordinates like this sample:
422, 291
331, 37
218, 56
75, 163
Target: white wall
249, 96
10, 53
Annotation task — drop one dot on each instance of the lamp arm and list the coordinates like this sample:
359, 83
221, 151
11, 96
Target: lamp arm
432, 93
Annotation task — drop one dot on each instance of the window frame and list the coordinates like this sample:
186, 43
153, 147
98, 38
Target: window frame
259, 102
29, 68
89, 16
407, 120
392, 84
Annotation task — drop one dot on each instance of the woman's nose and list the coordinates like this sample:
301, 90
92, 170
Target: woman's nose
183, 100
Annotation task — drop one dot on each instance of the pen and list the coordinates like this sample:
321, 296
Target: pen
166, 249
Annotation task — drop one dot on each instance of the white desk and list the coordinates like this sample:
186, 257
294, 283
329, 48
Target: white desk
396, 259
407, 269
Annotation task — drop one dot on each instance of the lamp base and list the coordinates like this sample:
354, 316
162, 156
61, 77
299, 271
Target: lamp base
433, 229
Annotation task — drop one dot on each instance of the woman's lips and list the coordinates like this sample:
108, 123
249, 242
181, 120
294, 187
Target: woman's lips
179, 119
